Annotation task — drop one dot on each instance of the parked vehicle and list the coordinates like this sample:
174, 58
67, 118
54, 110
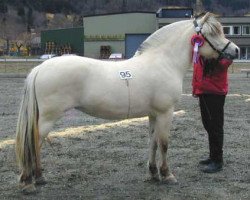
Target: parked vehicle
47, 56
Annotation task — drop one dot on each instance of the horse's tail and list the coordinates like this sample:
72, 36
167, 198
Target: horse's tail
27, 133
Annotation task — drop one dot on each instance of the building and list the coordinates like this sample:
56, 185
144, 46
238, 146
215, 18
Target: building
63, 41
124, 32
116, 33
237, 29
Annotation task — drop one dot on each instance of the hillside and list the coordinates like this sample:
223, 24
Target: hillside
32, 14
24, 19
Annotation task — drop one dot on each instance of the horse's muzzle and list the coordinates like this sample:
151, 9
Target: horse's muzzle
232, 55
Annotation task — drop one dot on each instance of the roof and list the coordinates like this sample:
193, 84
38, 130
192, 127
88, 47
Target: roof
174, 8
59, 29
174, 12
120, 13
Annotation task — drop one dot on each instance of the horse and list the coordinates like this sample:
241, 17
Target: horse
148, 84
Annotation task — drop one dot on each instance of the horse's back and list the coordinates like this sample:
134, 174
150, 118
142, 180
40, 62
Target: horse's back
84, 83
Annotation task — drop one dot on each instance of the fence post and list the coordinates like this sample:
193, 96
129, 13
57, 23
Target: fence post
5, 68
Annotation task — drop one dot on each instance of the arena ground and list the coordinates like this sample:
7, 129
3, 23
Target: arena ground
93, 158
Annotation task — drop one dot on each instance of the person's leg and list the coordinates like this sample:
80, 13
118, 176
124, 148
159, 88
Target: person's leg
206, 121
212, 113
213, 107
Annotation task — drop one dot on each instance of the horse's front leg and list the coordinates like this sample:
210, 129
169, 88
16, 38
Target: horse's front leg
153, 171
162, 129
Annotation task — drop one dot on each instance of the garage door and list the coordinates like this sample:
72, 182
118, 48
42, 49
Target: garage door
133, 41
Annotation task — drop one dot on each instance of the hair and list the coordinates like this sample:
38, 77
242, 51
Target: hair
212, 26
209, 66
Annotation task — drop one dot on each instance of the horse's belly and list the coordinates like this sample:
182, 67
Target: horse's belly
115, 107
103, 108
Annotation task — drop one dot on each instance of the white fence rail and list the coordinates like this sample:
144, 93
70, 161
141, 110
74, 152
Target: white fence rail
21, 60
241, 61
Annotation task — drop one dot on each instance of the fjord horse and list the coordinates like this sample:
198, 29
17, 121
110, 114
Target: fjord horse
148, 84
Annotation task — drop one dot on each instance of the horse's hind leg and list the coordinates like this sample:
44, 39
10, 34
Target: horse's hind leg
45, 126
39, 179
162, 128
26, 184
153, 171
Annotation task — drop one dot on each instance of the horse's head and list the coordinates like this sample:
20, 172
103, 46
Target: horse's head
216, 45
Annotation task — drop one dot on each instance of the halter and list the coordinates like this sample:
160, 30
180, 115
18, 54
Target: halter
221, 53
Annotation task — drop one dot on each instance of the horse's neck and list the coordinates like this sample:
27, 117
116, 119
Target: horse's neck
175, 50
179, 51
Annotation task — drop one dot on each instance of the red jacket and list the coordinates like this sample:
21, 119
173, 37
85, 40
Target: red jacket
212, 83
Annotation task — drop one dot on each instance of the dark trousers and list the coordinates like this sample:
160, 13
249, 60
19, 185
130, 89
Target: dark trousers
212, 114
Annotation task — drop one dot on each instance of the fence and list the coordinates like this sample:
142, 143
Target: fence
18, 65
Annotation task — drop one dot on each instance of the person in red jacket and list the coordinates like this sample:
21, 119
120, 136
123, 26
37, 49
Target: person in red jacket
210, 85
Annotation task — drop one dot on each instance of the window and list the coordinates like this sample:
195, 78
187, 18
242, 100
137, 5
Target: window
227, 30
246, 30
232, 30
248, 53
236, 30
245, 53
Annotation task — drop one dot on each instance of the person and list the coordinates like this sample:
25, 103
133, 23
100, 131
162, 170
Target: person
210, 85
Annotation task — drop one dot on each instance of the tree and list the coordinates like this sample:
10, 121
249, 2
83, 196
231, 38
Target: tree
29, 20
3, 7
21, 13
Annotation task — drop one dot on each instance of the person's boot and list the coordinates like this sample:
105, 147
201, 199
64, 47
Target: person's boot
205, 162
208, 160
213, 167
215, 162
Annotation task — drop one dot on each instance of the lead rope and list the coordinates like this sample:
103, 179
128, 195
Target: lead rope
129, 100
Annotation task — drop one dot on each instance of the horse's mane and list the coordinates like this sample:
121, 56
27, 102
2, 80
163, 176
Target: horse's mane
210, 27
157, 37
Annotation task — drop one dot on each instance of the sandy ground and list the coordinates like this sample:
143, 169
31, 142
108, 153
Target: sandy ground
98, 159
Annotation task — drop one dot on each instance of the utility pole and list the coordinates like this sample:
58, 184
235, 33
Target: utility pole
199, 7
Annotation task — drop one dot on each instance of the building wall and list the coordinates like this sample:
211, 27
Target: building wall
72, 36
233, 29
92, 48
111, 30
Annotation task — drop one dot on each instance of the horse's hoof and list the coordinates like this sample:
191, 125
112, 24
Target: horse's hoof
28, 189
152, 179
169, 180
40, 181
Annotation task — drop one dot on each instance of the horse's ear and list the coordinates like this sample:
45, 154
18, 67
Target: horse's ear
204, 18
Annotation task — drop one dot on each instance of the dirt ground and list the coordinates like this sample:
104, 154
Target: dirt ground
93, 158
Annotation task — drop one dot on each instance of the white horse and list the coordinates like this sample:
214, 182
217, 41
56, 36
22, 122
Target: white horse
149, 84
